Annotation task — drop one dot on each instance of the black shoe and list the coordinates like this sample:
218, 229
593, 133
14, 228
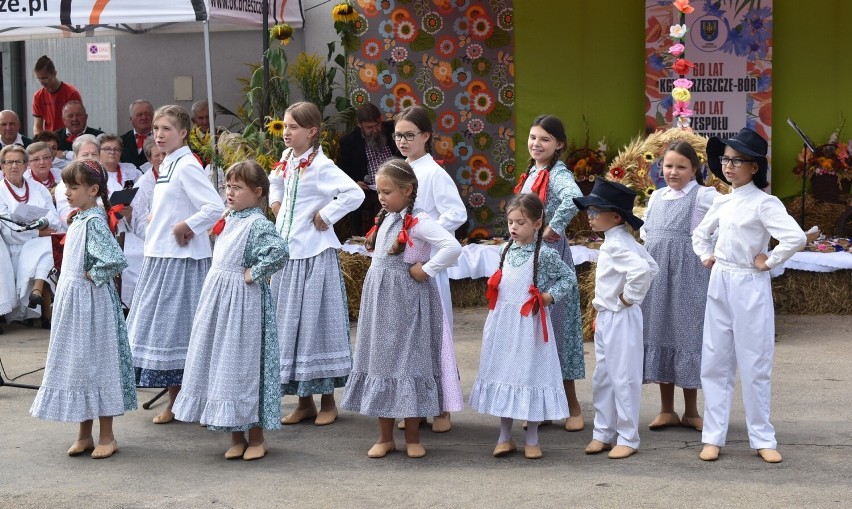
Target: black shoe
36, 299
45, 323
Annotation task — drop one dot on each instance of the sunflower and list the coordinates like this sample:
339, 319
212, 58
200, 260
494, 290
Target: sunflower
649, 156
275, 127
650, 190
344, 13
283, 32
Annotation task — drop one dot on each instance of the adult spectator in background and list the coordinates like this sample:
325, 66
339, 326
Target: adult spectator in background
52, 141
85, 147
41, 167
75, 118
201, 115
361, 153
10, 127
49, 100
141, 118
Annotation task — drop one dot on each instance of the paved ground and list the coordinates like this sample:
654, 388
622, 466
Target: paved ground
181, 465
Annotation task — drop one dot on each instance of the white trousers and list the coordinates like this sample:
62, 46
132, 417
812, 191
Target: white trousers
739, 332
617, 381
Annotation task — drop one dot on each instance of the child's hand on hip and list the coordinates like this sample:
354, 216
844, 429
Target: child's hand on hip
549, 235
760, 262
183, 233
547, 298
709, 262
418, 273
247, 276
319, 223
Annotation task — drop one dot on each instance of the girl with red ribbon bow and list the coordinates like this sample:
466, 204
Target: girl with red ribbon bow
399, 362
549, 178
519, 372
89, 351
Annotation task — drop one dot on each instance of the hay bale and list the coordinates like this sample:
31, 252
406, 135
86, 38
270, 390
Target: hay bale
813, 293
468, 292
354, 268
820, 213
586, 282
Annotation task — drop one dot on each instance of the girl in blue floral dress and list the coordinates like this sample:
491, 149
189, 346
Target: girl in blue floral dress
89, 371
554, 183
232, 378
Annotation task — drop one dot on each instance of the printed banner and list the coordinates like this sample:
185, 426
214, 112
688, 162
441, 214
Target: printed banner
730, 44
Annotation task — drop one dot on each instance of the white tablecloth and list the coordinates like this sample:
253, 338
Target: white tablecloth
816, 262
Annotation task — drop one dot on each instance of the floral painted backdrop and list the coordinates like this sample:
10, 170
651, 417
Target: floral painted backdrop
455, 57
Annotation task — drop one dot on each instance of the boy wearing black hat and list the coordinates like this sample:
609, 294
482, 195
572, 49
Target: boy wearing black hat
622, 278
739, 320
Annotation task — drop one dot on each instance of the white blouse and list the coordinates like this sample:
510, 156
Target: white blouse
705, 198
624, 267
746, 219
437, 194
39, 197
437, 248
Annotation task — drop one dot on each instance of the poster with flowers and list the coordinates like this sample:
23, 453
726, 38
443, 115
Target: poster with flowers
709, 65
454, 57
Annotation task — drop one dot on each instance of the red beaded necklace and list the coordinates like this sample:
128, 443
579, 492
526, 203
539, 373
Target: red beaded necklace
21, 199
49, 182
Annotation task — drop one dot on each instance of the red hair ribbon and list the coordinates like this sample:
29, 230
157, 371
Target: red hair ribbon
112, 216
539, 186
218, 226
280, 165
493, 288
375, 227
407, 224
520, 184
535, 304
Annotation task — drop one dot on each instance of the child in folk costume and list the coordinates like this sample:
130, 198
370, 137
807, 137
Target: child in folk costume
177, 257
232, 376
439, 197
622, 278
673, 339
397, 371
89, 371
309, 194
519, 372
554, 183
739, 322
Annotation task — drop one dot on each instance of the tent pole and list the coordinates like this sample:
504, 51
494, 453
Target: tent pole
211, 110
264, 103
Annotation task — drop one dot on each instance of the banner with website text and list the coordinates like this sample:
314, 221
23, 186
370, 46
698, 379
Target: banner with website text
729, 44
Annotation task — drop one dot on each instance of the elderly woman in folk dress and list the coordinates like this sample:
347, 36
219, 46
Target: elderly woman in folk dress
85, 147
30, 251
41, 166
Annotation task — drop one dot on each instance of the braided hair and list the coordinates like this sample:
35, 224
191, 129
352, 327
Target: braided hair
533, 209
307, 115
554, 127
686, 149
400, 173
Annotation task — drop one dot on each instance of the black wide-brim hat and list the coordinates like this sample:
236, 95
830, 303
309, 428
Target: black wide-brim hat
746, 142
609, 195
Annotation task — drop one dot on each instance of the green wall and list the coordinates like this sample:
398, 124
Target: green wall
580, 57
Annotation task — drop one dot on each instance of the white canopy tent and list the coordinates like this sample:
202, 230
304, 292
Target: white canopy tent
36, 19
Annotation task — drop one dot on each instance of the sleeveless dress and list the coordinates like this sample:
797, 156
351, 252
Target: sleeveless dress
519, 373
89, 370
231, 381
674, 306
397, 365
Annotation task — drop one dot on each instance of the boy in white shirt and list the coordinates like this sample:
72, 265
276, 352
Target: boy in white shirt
622, 278
739, 320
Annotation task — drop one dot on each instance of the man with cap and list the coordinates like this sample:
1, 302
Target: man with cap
622, 278
739, 320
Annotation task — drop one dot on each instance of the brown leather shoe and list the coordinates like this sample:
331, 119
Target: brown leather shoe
326, 417
710, 452
381, 450
105, 451
255, 452
597, 447
664, 420
696, 423
415, 450
236, 451
504, 448
770, 455
533, 452
300, 414
620, 452
575, 423
81, 446
441, 424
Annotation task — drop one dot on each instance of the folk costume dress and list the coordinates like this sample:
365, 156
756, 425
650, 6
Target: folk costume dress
673, 340
312, 312
398, 362
231, 380
559, 210
169, 286
438, 196
89, 371
519, 372
31, 256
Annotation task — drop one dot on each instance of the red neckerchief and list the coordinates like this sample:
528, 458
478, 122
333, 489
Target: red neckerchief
493, 288
542, 179
71, 137
140, 140
50, 182
20, 199
118, 175
535, 304
112, 217
156, 174
407, 223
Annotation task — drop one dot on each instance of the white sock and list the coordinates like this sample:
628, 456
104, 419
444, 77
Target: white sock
532, 433
505, 430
